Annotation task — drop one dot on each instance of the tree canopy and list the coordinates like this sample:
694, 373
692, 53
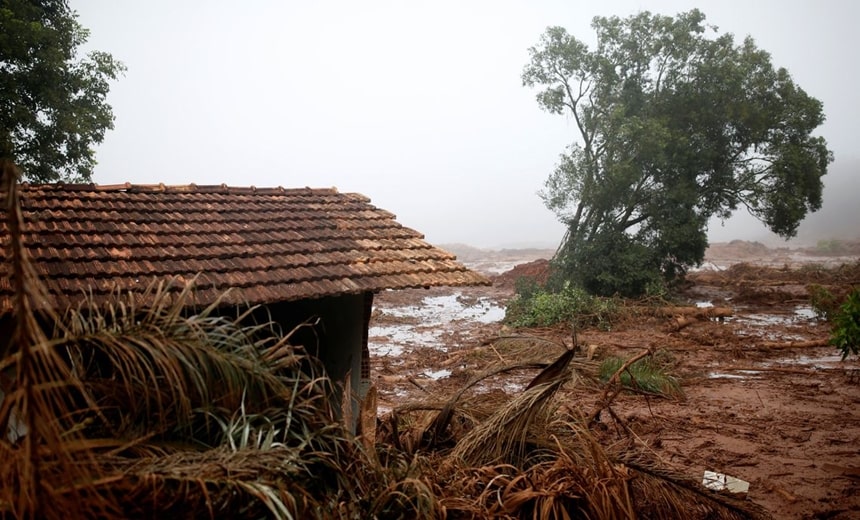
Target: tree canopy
676, 124
53, 105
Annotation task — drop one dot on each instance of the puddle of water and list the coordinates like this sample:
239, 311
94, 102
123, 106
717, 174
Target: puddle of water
704, 305
818, 362
512, 387
758, 325
802, 313
741, 374
438, 374
508, 385
390, 340
432, 315
444, 309
708, 266
805, 312
384, 349
494, 267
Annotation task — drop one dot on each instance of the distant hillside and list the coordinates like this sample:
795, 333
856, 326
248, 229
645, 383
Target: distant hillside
469, 254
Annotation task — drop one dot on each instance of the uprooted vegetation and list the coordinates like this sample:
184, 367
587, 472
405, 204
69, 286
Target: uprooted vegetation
148, 412
264, 442
826, 289
764, 396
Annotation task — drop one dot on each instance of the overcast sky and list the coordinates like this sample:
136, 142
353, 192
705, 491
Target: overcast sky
418, 105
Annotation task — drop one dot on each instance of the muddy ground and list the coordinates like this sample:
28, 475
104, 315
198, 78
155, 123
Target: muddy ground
761, 402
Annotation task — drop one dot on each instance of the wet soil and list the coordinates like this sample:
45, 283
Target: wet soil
765, 399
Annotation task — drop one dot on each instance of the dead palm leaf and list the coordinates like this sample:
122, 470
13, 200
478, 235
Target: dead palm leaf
155, 370
504, 436
39, 476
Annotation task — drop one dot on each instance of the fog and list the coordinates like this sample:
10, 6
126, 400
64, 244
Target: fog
418, 105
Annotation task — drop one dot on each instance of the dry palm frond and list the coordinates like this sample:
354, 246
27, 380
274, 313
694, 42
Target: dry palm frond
434, 431
155, 370
504, 436
576, 477
247, 483
401, 486
663, 493
39, 476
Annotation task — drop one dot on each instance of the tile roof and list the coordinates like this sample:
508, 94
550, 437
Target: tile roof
267, 244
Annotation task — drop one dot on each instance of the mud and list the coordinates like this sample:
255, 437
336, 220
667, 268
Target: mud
786, 419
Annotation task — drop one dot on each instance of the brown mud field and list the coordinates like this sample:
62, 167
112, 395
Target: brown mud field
764, 398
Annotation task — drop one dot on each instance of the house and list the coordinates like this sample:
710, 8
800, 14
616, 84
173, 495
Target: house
301, 253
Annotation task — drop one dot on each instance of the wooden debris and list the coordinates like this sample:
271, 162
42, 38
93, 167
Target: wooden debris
788, 496
698, 312
685, 316
852, 472
367, 424
794, 344
614, 387
676, 324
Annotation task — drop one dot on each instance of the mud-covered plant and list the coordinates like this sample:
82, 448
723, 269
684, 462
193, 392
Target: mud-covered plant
824, 303
650, 374
846, 325
571, 304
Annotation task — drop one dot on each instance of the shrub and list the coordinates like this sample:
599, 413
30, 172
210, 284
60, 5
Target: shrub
526, 286
830, 247
824, 303
846, 325
612, 264
541, 308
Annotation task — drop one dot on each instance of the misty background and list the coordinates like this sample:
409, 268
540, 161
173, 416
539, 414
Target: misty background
418, 105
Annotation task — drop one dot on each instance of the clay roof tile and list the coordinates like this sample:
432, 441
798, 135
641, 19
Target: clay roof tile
268, 244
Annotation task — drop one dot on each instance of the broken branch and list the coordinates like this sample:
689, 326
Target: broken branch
613, 386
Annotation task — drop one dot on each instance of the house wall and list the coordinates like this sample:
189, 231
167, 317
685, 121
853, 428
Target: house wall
339, 339
6, 328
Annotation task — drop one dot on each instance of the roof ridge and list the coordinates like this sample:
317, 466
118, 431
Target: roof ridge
187, 188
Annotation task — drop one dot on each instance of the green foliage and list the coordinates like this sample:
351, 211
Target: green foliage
824, 303
648, 374
676, 125
831, 247
543, 308
526, 286
53, 103
611, 264
657, 291
846, 325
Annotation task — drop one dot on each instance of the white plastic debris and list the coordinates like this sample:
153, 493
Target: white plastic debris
722, 482
15, 428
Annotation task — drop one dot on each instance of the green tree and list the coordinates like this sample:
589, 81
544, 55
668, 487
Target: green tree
676, 124
52, 104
